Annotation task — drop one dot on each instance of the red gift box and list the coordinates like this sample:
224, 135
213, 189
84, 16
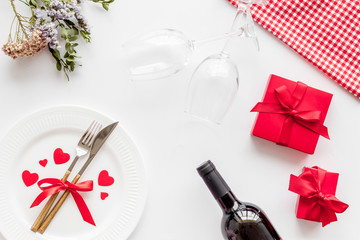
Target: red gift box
292, 114
317, 201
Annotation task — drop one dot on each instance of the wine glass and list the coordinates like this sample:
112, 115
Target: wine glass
162, 53
215, 81
212, 88
157, 54
214, 84
165, 52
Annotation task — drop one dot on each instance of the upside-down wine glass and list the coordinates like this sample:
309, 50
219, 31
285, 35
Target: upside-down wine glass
164, 52
215, 81
161, 53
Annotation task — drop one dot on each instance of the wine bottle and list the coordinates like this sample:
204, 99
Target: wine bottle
241, 220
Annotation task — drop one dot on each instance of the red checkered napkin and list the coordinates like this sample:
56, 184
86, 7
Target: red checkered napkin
325, 32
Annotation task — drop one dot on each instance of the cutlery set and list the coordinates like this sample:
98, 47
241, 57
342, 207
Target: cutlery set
90, 142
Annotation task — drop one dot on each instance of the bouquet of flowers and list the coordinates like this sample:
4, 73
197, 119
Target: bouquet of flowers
52, 24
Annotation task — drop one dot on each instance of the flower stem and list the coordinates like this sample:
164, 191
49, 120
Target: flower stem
18, 16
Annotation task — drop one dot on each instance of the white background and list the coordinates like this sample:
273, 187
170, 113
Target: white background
172, 143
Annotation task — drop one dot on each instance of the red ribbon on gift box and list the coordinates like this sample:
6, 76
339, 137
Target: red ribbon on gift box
287, 105
56, 185
323, 205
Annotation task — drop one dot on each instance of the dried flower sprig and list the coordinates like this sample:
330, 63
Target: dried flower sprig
53, 23
24, 42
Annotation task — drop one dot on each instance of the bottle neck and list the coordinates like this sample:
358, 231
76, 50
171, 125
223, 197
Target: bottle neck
217, 186
227, 202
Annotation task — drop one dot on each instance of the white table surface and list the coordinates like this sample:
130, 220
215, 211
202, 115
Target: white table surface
173, 144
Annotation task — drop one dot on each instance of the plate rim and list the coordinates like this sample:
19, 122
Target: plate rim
142, 196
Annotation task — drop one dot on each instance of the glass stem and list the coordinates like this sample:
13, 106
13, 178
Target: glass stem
238, 26
227, 35
237, 30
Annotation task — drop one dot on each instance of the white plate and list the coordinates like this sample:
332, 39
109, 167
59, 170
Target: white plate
35, 138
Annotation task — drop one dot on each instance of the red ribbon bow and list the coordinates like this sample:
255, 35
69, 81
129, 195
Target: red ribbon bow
287, 105
56, 185
309, 185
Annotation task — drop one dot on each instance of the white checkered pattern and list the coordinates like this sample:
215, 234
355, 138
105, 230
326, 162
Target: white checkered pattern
325, 32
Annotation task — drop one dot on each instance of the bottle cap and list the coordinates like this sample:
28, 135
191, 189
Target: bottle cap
205, 168
213, 179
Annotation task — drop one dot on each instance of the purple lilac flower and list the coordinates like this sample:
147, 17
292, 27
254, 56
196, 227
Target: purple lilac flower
49, 32
62, 11
38, 13
56, 4
83, 22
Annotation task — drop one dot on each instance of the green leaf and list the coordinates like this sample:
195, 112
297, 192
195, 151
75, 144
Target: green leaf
72, 51
86, 36
75, 31
65, 32
69, 23
70, 59
55, 53
58, 65
105, 6
46, 2
72, 66
33, 3
67, 47
73, 38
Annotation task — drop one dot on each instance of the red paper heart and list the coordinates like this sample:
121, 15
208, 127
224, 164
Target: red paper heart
29, 178
60, 157
103, 195
43, 162
104, 179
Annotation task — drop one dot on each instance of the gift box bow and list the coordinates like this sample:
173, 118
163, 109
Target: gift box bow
54, 185
309, 185
287, 104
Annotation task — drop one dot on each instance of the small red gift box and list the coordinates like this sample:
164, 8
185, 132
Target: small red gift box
317, 201
292, 114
